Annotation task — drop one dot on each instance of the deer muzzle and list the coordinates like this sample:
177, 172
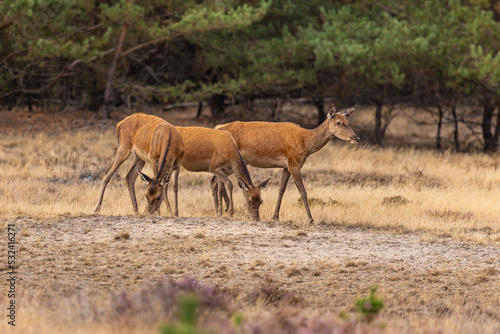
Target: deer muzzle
354, 140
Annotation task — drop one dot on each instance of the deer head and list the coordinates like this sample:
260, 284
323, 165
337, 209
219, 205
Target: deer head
155, 191
252, 197
339, 126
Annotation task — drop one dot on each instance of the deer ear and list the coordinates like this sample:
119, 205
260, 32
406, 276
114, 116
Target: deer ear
263, 184
144, 177
164, 179
347, 112
331, 111
242, 184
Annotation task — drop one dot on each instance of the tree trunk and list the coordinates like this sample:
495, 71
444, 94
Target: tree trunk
455, 122
108, 93
96, 97
319, 102
65, 87
496, 136
200, 109
216, 104
379, 103
440, 125
11, 99
29, 97
490, 144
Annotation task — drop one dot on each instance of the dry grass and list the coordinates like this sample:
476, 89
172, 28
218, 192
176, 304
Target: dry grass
47, 176
49, 179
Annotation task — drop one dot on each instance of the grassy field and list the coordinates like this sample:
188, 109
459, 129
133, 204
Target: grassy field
434, 200
447, 194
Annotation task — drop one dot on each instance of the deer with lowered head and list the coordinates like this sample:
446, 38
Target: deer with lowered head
287, 145
214, 151
153, 140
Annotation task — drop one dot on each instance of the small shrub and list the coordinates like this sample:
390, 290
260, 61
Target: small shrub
451, 215
369, 307
271, 294
237, 319
188, 305
312, 201
395, 200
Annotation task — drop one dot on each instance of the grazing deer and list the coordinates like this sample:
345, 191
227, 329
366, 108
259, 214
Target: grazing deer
153, 140
214, 151
287, 146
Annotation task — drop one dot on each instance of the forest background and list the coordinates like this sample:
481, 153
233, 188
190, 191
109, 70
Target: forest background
439, 58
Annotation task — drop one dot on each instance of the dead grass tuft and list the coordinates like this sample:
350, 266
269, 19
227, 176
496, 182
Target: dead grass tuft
122, 236
200, 234
395, 200
293, 271
255, 264
450, 215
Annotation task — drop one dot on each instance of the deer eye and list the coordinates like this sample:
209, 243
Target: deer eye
338, 123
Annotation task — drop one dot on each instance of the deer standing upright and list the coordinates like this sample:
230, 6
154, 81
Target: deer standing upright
287, 145
153, 140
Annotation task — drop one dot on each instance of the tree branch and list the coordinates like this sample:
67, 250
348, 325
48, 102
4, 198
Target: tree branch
53, 81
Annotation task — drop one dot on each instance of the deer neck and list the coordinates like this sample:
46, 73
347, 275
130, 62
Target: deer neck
241, 170
165, 163
319, 137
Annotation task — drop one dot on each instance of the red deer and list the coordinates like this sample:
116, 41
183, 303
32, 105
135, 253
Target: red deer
153, 140
287, 146
214, 151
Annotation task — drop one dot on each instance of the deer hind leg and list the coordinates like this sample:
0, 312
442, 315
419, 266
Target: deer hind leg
297, 179
121, 155
131, 177
214, 186
224, 180
285, 176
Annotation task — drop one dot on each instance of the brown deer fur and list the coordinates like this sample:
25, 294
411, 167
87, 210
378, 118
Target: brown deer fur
214, 151
153, 140
287, 146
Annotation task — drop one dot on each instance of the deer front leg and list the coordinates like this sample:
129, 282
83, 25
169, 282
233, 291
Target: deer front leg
297, 179
121, 155
167, 202
214, 185
176, 191
219, 197
130, 179
225, 197
285, 176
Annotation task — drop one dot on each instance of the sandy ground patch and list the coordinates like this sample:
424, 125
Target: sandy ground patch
125, 252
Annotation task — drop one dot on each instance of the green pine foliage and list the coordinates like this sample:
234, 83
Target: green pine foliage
189, 50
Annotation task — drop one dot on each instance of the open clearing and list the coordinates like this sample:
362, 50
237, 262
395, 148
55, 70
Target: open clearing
424, 277
421, 225
123, 251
